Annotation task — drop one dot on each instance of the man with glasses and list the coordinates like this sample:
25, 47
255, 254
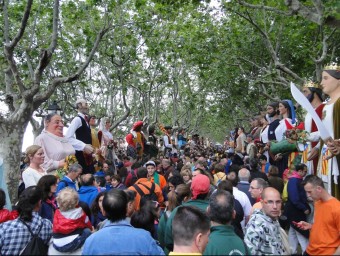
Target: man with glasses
255, 189
263, 229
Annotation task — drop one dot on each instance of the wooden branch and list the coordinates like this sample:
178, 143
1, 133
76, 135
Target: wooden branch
324, 48
123, 117
263, 7
46, 54
278, 64
324, 52
29, 64
6, 22
23, 25
318, 6
298, 8
43, 96
10, 46
314, 15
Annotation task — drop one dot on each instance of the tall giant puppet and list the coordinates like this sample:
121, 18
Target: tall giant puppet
79, 135
328, 167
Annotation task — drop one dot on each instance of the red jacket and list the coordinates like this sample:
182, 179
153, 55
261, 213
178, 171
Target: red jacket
64, 225
6, 215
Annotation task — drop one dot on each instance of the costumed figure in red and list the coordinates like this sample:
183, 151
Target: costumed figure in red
136, 141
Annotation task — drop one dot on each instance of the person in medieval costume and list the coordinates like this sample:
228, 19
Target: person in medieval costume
107, 144
151, 149
95, 142
313, 93
328, 166
288, 121
79, 135
136, 141
168, 147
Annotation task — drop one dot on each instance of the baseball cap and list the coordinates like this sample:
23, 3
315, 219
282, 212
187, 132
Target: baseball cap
200, 185
150, 163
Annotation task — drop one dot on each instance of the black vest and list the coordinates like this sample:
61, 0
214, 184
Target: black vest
271, 129
83, 133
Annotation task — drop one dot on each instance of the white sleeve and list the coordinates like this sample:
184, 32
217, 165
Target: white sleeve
70, 134
49, 164
247, 206
166, 142
28, 179
280, 131
314, 136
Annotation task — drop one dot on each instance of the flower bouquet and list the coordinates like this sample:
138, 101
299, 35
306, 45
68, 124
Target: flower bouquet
295, 140
69, 160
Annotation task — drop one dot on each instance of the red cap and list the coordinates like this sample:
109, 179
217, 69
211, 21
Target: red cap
137, 125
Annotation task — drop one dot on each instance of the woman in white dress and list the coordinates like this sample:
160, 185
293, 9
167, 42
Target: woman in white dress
56, 147
32, 174
106, 139
264, 136
287, 122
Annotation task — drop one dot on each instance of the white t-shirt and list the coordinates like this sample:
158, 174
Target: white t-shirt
244, 201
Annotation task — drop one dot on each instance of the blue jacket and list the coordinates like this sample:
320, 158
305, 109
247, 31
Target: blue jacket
244, 187
66, 182
296, 204
46, 211
227, 166
120, 238
87, 194
100, 173
296, 194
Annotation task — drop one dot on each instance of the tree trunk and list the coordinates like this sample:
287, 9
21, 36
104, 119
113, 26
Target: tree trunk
11, 138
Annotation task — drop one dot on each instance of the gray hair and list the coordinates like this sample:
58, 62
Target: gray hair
261, 183
79, 102
49, 117
74, 167
244, 174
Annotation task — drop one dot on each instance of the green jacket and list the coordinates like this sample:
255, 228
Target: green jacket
169, 242
224, 241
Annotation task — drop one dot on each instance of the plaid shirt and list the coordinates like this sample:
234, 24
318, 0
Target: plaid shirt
14, 235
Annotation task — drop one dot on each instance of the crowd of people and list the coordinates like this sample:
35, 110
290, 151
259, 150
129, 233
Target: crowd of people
176, 194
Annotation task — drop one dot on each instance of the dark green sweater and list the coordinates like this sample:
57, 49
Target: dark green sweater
169, 243
224, 241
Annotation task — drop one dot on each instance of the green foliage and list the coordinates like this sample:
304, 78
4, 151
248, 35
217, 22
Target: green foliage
178, 62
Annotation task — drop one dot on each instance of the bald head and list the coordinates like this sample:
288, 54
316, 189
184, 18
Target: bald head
268, 192
271, 203
244, 174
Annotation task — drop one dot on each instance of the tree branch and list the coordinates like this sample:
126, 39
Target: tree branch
273, 53
43, 96
310, 14
126, 114
10, 46
6, 29
46, 54
23, 25
263, 7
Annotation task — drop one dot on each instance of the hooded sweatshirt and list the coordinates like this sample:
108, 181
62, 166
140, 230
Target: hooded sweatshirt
263, 235
88, 194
